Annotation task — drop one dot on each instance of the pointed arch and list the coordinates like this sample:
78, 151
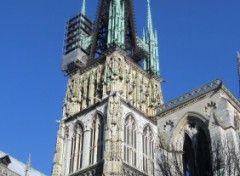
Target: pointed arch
76, 148
130, 140
96, 139
148, 150
192, 136
187, 119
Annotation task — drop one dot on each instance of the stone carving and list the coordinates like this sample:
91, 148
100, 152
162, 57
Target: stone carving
209, 111
113, 137
72, 99
57, 163
236, 120
169, 125
113, 76
210, 105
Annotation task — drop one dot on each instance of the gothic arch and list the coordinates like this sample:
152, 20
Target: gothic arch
96, 138
192, 137
98, 112
76, 147
148, 149
80, 123
150, 126
130, 114
130, 140
188, 117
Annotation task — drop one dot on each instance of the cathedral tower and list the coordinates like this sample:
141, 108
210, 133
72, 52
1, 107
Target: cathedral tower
108, 125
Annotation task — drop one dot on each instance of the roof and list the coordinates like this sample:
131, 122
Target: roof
19, 167
214, 85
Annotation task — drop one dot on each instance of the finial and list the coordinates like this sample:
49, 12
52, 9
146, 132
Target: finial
83, 10
149, 17
28, 166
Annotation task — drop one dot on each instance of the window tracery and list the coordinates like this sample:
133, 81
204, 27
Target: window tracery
130, 141
96, 140
148, 150
76, 148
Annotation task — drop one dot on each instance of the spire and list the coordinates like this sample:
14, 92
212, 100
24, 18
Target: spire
157, 56
83, 10
28, 166
151, 63
149, 18
116, 23
114, 27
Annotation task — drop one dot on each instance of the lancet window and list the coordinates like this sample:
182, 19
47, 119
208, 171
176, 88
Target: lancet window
148, 151
96, 140
76, 148
130, 141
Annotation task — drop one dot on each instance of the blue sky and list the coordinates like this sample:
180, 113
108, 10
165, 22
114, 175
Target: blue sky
198, 41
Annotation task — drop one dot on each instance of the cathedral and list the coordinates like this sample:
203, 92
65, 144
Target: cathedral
114, 119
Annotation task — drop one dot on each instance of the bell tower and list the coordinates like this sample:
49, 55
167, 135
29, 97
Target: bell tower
108, 126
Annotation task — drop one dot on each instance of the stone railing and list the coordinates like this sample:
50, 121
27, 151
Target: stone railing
129, 170
190, 95
93, 170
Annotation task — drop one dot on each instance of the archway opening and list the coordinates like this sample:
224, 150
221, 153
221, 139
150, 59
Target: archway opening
196, 152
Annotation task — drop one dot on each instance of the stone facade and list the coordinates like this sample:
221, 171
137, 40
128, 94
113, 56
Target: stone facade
116, 74
4, 171
114, 120
115, 89
211, 109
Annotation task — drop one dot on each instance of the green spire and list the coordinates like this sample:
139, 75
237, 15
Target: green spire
150, 38
149, 18
116, 26
83, 10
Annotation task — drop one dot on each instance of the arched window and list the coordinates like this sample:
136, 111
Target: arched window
148, 151
130, 141
76, 148
96, 140
196, 151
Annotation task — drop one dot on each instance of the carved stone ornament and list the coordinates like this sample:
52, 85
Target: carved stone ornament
209, 107
169, 125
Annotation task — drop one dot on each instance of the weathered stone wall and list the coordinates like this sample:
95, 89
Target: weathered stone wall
114, 87
216, 113
114, 75
4, 171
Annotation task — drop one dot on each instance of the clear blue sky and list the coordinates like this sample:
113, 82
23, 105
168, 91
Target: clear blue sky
198, 40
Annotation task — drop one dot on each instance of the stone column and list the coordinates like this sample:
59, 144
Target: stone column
113, 139
58, 154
